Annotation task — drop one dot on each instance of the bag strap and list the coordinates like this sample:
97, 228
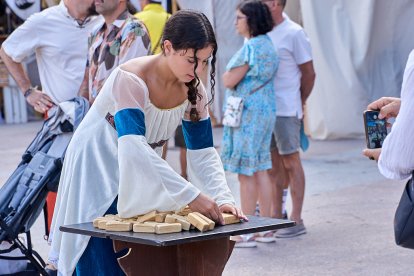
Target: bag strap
260, 87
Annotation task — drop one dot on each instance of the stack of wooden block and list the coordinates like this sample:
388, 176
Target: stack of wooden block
161, 222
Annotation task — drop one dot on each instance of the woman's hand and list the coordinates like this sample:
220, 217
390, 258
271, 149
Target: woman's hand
228, 208
372, 154
388, 107
208, 207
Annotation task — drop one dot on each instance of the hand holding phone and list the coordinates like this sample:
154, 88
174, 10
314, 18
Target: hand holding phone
375, 129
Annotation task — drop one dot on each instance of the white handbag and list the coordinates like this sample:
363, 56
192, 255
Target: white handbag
234, 108
233, 112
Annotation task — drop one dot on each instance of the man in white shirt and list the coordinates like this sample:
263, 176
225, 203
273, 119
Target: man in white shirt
396, 158
293, 84
59, 37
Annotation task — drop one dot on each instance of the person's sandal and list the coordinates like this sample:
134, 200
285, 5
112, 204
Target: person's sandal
265, 237
244, 241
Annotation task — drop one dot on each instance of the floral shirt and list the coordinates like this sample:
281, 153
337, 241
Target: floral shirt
126, 38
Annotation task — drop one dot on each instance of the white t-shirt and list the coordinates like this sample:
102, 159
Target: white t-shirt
397, 155
61, 48
293, 48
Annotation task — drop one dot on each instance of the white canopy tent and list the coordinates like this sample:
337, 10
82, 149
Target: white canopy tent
359, 47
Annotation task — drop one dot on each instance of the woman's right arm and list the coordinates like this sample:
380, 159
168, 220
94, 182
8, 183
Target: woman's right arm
232, 77
146, 181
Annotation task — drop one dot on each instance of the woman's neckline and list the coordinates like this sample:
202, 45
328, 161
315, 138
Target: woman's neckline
146, 87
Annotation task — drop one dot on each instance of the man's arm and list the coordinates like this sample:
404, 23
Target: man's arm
84, 88
307, 80
16, 70
40, 101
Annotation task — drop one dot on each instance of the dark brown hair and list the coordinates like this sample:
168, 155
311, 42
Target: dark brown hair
186, 30
259, 18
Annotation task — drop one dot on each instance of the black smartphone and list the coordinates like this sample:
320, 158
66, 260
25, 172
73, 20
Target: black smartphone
375, 129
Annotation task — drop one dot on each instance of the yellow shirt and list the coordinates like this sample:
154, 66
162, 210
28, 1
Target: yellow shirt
154, 17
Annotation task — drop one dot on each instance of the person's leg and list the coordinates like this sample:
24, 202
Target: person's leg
248, 193
164, 150
264, 191
248, 200
279, 181
183, 162
296, 176
179, 142
280, 142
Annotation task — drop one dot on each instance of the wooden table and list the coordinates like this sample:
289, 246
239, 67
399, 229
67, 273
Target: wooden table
185, 253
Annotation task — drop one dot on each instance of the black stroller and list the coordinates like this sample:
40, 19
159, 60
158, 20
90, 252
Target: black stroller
23, 196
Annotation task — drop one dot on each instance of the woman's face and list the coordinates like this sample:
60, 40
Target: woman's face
182, 61
241, 24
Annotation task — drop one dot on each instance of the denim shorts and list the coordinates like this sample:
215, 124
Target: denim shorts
286, 135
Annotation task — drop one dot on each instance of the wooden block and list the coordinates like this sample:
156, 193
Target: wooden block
153, 223
97, 220
102, 224
160, 217
118, 226
209, 221
184, 211
198, 222
147, 217
230, 219
113, 217
169, 219
131, 220
143, 228
185, 225
164, 228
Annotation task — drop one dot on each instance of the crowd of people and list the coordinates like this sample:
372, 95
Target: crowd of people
145, 78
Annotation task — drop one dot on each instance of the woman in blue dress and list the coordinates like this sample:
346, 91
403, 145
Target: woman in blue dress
252, 68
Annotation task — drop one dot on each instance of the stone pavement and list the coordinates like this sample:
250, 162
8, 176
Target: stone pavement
348, 213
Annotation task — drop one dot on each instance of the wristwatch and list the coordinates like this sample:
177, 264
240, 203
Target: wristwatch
29, 91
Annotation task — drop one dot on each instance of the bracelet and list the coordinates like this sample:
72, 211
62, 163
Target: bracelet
29, 91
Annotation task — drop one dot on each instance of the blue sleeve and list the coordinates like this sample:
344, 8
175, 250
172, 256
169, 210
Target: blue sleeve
198, 135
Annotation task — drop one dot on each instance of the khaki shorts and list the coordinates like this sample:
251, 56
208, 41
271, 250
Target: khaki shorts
286, 135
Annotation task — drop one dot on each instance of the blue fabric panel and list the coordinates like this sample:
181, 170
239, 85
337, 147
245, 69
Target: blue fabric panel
198, 135
130, 121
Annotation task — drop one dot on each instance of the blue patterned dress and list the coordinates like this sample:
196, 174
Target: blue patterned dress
246, 148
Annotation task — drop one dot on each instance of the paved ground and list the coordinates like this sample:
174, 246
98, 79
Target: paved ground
348, 212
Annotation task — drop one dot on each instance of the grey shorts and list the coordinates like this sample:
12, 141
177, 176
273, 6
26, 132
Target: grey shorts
286, 135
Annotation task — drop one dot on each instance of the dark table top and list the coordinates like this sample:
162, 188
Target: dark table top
255, 224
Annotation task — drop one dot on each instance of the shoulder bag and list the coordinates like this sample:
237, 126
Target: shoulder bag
404, 217
234, 108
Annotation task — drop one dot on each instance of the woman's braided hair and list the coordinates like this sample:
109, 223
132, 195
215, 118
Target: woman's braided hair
186, 30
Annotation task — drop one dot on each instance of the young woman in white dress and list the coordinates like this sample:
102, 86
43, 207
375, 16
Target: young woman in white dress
113, 162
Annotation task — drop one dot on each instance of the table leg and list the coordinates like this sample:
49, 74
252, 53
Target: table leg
207, 257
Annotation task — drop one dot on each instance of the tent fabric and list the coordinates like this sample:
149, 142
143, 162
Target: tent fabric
360, 49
